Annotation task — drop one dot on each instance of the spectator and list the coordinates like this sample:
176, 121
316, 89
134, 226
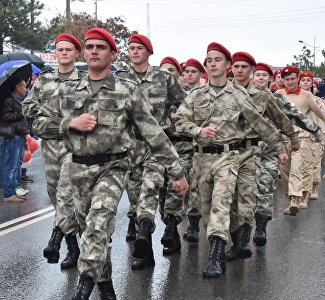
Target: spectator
13, 147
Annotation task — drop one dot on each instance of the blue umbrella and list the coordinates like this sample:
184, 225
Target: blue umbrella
15, 63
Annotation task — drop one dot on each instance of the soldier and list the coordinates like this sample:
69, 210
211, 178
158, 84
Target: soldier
278, 81
216, 116
95, 117
314, 154
291, 172
192, 73
147, 179
269, 161
172, 65
56, 157
242, 210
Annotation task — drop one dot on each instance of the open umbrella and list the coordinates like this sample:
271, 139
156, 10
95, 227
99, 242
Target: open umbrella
22, 71
5, 66
38, 62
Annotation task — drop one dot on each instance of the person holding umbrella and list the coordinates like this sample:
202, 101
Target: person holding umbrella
56, 157
12, 147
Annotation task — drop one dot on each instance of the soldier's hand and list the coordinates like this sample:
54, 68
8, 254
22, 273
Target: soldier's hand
85, 122
208, 132
173, 115
180, 186
295, 147
283, 157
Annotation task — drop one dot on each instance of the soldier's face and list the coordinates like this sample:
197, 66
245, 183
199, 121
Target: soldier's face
279, 80
217, 64
138, 54
66, 53
306, 83
242, 70
192, 75
261, 78
291, 81
98, 54
171, 68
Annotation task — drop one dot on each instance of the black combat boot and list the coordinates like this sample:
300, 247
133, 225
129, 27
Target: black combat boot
131, 233
260, 233
231, 254
143, 254
85, 287
217, 259
51, 252
106, 290
192, 234
170, 239
73, 252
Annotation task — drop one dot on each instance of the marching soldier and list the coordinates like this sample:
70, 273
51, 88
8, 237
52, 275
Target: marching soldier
216, 116
56, 157
95, 117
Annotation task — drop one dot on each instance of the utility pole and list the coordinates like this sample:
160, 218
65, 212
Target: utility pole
67, 14
148, 20
32, 18
314, 50
95, 2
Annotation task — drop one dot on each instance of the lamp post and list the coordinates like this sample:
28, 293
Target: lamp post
314, 50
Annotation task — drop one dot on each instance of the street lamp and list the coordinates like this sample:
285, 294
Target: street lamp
313, 47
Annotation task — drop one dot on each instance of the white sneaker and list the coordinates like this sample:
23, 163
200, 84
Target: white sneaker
21, 192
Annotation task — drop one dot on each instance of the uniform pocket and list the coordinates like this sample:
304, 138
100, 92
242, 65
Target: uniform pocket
110, 111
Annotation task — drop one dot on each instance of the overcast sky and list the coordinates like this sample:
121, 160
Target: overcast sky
269, 30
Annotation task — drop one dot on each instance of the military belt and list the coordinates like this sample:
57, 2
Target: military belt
180, 139
218, 149
97, 158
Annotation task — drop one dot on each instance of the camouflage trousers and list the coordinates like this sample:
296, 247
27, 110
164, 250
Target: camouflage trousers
291, 171
312, 155
216, 186
96, 191
57, 163
144, 183
244, 202
193, 203
170, 201
267, 182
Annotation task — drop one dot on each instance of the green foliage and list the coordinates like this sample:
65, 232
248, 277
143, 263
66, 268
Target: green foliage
19, 26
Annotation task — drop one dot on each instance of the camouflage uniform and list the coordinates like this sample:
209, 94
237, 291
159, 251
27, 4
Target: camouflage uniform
231, 112
57, 159
250, 160
146, 182
99, 164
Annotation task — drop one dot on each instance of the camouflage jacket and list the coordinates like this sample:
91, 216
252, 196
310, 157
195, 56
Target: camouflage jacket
44, 87
296, 117
117, 106
263, 101
162, 91
230, 111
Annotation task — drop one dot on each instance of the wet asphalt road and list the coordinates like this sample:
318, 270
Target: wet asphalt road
291, 266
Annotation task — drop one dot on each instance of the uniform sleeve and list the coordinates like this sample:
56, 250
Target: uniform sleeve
281, 121
184, 120
295, 116
315, 108
262, 127
47, 120
154, 136
31, 103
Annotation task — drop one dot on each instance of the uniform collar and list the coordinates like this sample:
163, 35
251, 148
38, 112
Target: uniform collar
295, 92
109, 83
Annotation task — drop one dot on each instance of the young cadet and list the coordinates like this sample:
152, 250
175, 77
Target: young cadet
96, 116
216, 116
56, 157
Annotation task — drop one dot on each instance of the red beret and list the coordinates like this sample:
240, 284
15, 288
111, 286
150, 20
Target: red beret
173, 61
195, 63
244, 56
101, 34
68, 38
276, 72
220, 48
290, 69
306, 74
264, 67
143, 40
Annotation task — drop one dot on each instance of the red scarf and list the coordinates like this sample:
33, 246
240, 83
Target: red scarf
295, 92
